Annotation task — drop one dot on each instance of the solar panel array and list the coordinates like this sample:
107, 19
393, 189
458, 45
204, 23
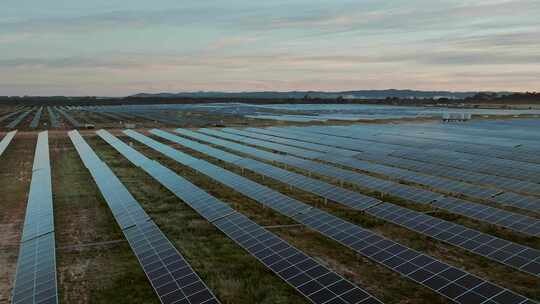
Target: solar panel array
115, 117
425, 141
37, 117
508, 168
512, 171
18, 120
35, 280
475, 140
492, 181
506, 198
517, 256
439, 183
171, 276
9, 115
53, 118
522, 133
442, 278
444, 185
350, 198
510, 220
307, 276
485, 149
72, 121
4, 143
508, 184
511, 254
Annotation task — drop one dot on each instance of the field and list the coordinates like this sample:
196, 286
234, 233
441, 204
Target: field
366, 202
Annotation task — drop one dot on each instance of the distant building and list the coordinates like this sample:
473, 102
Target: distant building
450, 117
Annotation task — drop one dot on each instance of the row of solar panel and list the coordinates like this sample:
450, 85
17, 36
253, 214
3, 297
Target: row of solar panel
505, 198
502, 184
37, 117
396, 150
6, 140
310, 278
513, 169
53, 118
493, 128
513, 139
35, 279
483, 150
172, 278
498, 132
442, 278
10, 114
516, 137
502, 218
404, 138
507, 184
442, 184
447, 185
354, 199
496, 196
480, 212
72, 121
516, 256
18, 119
516, 172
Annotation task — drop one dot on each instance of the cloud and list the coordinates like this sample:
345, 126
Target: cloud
515, 39
354, 16
342, 43
285, 62
414, 16
126, 19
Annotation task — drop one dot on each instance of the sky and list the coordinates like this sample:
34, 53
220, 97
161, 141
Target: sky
122, 47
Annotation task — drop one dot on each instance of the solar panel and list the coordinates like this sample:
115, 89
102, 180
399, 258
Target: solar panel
511, 254
310, 278
511, 220
443, 184
9, 115
350, 198
519, 201
442, 230
482, 145
524, 224
72, 121
485, 150
35, 121
441, 170
446, 280
52, 117
424, 142
519, 173
171, 276
4, 143
35, 280
513, 169
18, 120
305, 145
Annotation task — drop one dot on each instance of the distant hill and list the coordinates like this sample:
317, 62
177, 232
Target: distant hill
361, 94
